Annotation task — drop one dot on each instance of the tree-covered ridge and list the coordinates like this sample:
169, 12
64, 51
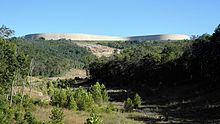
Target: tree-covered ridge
53, 57
131, 64
128, 44
153, 67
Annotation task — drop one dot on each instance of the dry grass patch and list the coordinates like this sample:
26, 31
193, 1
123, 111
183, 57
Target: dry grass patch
71, 117
79, 117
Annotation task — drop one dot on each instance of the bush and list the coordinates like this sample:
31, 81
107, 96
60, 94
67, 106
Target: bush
59, 97
19, 117
17, 98
27, 103
110, 108
128, 105
57, 116
83, 99
137, 101
72, 104
99, 93
94, 119
104, 93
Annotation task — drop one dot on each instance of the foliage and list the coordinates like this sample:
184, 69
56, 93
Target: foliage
94, 119
135, 63
54, 57
57, 116
99, 93
12, 63
19, 117
83, 99
6, 113
128, 105
72, 104
216, 34
137, 101
148, 68
110, 107
76, 99
59, 97
6, 32
30, 119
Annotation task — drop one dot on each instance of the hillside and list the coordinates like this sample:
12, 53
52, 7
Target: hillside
54, 57
97, 49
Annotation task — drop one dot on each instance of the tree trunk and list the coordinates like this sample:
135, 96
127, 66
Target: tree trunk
30, 83
22, 92
11, 94
31, 71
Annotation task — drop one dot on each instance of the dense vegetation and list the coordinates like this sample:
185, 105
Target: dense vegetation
78, 99
54, 57
132, 66
128, 44
150, 68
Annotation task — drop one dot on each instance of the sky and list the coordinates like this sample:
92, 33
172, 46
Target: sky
111, 17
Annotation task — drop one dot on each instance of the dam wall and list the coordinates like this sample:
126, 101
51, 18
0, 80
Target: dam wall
89, 37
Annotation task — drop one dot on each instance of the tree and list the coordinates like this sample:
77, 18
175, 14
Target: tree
6, 114
57, 116
216, 34
83, 99
72, 104
99, 93
94, 119
6, 32
32, 65
137, 101
128, 105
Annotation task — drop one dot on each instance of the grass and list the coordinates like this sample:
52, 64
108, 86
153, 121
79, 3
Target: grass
79, 117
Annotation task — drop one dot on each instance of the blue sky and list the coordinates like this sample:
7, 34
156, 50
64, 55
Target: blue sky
111, 17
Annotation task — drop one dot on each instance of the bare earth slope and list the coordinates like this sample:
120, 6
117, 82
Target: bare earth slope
98, 50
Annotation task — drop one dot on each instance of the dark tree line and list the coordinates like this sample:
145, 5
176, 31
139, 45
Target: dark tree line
149, 68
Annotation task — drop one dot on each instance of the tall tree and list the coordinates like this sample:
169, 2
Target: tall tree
6, 32
216, 34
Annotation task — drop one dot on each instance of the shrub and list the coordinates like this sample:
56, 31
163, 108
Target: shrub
94, 119
19, 117
27, 103
99, 93
104, 92
59, 97
110, 108
137, 101
17, 98
57, 116
6, 112
72, 104
83, 99
128, 105
96, 92
30, 119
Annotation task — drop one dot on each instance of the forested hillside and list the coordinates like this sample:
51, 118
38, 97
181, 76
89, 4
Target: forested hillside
135, 65
183, 78
155, 66
54, 57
